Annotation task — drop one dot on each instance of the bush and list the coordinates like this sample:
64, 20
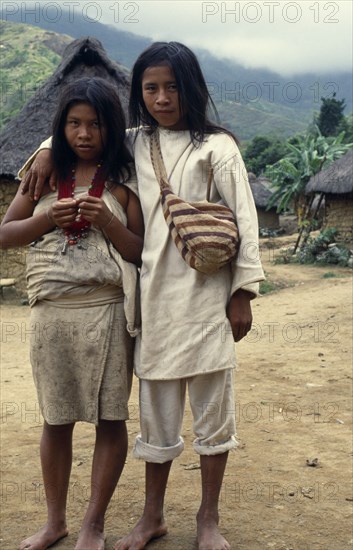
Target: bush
334, 255
323, 250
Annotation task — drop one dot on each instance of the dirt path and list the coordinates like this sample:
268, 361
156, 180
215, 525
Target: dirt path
294, 409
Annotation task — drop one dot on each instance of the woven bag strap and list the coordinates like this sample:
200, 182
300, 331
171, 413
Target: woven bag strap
209, 183
159, 166
157, 160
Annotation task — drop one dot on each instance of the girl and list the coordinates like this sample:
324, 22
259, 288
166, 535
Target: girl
190, 320
82, 287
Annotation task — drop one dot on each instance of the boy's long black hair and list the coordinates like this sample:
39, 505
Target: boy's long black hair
104, 98
194, 98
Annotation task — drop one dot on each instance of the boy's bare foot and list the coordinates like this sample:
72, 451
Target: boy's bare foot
90, 538
143, 532
44, 538
209, 537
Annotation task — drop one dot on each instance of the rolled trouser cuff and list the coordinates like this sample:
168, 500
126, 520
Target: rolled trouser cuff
210, 450
152, 453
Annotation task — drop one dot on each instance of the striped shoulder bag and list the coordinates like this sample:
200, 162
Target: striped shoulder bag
205, 233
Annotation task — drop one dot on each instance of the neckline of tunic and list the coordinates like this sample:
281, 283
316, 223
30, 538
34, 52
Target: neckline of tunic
174, 133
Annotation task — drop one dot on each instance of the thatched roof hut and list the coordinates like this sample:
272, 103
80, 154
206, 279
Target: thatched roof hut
260, 187
83, 57
337, 179
336, 184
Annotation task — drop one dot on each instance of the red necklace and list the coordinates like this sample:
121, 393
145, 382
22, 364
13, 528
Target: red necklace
79, 229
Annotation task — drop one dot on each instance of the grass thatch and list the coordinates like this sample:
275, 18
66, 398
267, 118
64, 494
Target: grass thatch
336, 179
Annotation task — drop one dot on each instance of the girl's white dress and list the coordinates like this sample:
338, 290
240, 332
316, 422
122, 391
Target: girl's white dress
84, 310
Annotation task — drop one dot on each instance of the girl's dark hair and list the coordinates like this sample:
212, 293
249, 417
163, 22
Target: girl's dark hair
194, 98
104, 98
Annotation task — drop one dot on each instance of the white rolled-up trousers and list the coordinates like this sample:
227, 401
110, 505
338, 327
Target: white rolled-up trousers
162, 405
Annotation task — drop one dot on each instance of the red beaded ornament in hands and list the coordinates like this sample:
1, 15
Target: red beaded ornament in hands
79, 229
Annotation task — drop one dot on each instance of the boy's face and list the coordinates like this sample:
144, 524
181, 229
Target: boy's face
83, 132
161, 97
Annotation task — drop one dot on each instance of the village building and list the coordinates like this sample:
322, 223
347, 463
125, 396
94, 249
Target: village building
260, 187
335, 184
24, 133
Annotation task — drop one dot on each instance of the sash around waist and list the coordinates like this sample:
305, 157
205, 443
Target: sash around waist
109, 294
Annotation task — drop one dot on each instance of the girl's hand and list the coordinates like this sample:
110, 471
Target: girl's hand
63, 212
36, 176
94, 210
239, 314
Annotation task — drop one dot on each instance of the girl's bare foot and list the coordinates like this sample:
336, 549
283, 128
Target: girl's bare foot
91, 537
45, 537
144, 531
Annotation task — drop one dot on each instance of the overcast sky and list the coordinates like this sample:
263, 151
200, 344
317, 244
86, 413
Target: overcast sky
284, 36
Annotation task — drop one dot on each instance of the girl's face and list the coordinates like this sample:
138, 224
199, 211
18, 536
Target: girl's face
161, 97
84, 134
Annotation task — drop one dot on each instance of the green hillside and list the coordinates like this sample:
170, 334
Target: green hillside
261, 118
29, 55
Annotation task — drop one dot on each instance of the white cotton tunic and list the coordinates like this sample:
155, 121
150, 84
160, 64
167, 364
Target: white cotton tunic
185, 331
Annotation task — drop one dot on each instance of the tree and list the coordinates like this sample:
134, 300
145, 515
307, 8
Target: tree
346, 126
331, 115
262, 151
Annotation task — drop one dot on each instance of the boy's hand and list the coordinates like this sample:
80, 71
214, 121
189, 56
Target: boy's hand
239, 314
36, 176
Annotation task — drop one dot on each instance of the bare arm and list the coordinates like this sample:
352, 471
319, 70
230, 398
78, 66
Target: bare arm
19, 227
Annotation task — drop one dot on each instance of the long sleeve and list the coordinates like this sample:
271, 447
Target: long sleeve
44, 145
233, 186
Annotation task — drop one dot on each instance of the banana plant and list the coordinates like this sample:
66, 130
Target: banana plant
307, 155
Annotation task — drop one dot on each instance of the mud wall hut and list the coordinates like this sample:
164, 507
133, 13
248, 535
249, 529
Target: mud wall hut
23, 134
336, 184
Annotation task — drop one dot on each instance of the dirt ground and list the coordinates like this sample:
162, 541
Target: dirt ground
289, 483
